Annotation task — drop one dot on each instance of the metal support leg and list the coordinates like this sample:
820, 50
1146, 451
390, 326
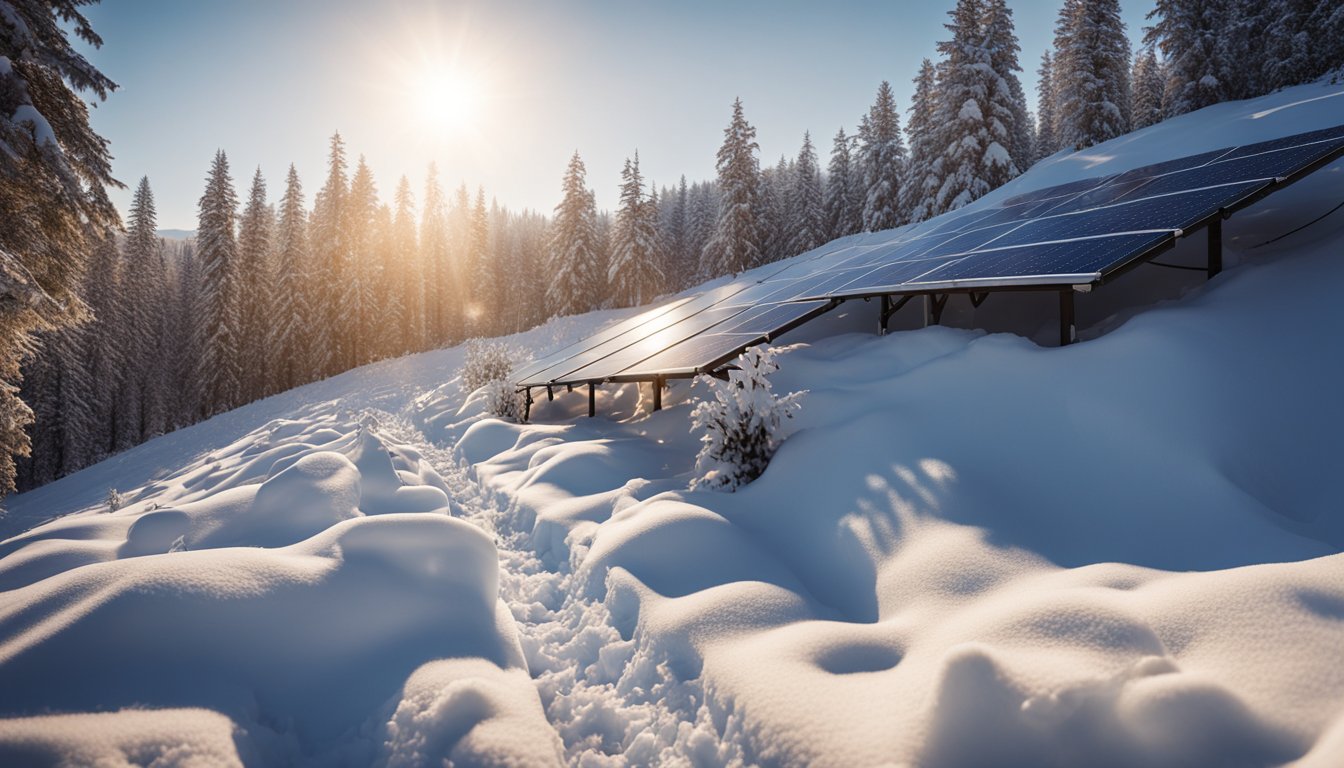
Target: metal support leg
527, 405
928, 311
550, 393
933, 308
886, 313
1067, 333
1215, 247
592, 400
657, 393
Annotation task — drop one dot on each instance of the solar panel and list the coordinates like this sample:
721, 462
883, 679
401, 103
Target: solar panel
1070, 234
1070, 262
534, 367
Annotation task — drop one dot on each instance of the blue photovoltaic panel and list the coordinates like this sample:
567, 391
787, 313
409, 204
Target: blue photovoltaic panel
1070, 234
693, 355
616, 360
1078, 260
582, 345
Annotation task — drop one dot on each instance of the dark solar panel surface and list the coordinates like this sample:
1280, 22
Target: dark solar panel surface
1069, 234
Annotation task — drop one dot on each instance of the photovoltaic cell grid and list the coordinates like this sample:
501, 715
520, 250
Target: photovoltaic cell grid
1070, 234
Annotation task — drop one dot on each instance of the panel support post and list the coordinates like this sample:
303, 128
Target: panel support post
550, 393
1066, 328
929, 317
886, 314
1215, 246
527, 404
657, 393
592, 399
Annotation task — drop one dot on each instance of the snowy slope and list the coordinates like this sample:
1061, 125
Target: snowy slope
973, 551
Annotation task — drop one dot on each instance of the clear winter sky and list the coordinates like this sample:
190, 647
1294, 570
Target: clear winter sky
527, 83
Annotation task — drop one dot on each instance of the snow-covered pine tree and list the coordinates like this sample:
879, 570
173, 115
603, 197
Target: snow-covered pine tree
482, 309
388, 315
807, 212
743, 423
773, 207
736, 243
634, 275
840, 217
677, 235
106, 356
573, 254
53, 179
1009, 99
434, 246
189, 337
882, 158
1189, 34
1047, 119
457, 269
135, 333
703, 216
1091, 73
361, 267
1146, 83
410, 269
219, 378
291, 333
255, 300
974, 138
330, 249
923, 173
1293, 41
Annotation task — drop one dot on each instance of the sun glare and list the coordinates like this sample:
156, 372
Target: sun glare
448, 99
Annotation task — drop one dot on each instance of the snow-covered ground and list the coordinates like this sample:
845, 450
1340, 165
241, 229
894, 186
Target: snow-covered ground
973, 551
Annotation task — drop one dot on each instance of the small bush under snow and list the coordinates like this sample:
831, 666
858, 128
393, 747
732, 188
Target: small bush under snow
743, 423
488, 364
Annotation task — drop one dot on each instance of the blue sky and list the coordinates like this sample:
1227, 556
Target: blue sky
269, 82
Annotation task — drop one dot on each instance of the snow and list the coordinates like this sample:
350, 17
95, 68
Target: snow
42, 132
972, 550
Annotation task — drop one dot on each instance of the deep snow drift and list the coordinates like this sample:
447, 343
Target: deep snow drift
973, 551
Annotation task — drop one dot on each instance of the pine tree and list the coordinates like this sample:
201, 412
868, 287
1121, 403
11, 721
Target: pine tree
1009, 99
291, 337
106, 355
882, 158
773, 211
135, 331
190, 335
1147, 84
839, 216
330, 247
574, 256
634, 275
1091, 73
54, 171
387, 300
256, 286
1189, 34
411, 269
1047, 119
808, 211
434, 251
974, 138
361, 267
482, 310
220, 376
736, 244
923, 174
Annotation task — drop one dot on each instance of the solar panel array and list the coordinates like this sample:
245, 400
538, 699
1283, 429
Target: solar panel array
1072, 234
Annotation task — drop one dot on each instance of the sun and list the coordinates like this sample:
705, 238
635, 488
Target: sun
448, 99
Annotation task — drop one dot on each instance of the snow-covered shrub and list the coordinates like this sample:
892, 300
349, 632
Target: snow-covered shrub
486, 361
743, 423
114, 500
504, 400
488, 364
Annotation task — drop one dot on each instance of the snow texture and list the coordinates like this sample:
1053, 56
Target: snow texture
1123, 552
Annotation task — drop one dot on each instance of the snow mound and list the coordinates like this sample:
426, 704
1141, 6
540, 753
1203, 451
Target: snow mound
298, 588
